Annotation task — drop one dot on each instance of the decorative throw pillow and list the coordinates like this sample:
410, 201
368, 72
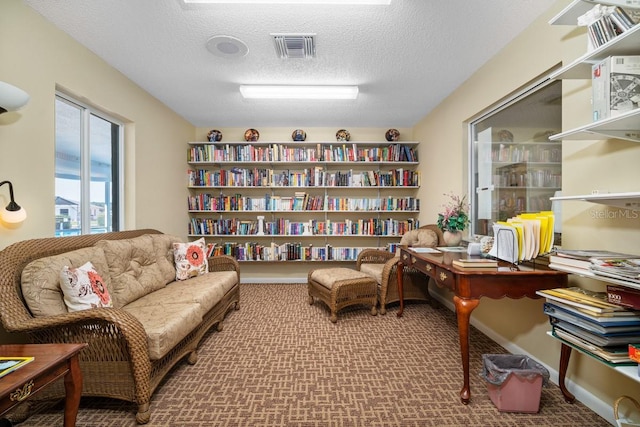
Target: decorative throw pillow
190, 259
83, 288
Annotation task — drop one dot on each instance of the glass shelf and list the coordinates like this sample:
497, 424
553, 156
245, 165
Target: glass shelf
627, 200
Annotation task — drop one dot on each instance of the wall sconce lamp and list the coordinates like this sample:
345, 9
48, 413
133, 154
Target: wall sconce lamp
12, 98
13, 213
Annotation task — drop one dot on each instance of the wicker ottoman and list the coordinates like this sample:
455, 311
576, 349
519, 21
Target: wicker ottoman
342, 287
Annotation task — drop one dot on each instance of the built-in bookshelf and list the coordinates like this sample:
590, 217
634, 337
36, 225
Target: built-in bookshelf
301, 201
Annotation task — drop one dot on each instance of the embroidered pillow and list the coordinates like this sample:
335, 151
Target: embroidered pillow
83, 288
190, 259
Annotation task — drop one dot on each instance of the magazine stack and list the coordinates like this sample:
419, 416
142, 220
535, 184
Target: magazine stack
587, 321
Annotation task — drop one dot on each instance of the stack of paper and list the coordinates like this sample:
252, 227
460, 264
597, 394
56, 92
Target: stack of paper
523, 237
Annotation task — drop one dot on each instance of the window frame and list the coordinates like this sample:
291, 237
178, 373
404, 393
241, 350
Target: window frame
116, 221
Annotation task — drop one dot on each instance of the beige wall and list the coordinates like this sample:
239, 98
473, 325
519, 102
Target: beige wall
39, 58
587, 165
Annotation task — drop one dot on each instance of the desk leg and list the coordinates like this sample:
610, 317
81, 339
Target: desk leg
73, 390
565, 354
399, 279
464, 307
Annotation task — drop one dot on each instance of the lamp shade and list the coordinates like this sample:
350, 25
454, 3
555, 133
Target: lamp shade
13, 217
12, 98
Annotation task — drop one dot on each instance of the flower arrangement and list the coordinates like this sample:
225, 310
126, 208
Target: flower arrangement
455, 216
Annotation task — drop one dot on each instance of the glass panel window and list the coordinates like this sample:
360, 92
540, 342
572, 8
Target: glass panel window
87, 170
514, 167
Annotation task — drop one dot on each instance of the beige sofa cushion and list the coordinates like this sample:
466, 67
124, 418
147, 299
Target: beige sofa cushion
166, 323
40, 280
137, 266
373, 270
328, 277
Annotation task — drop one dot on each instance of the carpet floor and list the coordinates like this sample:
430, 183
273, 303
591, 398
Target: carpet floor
280, 362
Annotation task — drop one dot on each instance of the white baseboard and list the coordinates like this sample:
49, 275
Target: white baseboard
275, 280
581, 394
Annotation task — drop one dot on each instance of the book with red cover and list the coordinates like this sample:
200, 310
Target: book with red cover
626, 297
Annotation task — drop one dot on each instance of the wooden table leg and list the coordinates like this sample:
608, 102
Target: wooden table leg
464, 307
73, 390
565, 354
399, 279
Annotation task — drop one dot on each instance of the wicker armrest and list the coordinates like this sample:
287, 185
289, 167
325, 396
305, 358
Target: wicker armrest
224, 263
373, 256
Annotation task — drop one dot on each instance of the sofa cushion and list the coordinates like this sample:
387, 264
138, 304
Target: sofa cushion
135, 267
190, 259
83, 288
166, 323
374, 270
40, 281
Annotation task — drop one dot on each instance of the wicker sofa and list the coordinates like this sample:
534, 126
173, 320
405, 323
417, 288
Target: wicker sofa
383, 266
152, 325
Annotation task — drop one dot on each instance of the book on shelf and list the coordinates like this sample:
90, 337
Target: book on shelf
597, 339
622, 268
595, 302
614, 356
10, 364
590, 325
620, 318
626, 297
475, 263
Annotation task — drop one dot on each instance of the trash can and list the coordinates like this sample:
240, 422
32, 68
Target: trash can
514, 381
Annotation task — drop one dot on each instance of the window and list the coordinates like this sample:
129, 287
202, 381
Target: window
87, 169
514, 167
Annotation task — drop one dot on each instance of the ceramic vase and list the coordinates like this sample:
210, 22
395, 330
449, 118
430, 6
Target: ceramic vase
452, 238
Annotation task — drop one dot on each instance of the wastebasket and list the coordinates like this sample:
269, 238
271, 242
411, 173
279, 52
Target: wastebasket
514, 381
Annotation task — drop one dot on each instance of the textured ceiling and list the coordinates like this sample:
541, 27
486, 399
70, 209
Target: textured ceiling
406, 57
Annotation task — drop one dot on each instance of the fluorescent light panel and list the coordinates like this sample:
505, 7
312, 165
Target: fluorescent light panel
374, 2
299, 92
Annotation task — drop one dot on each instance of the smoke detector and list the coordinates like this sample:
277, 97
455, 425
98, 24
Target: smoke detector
294, 45
227, 46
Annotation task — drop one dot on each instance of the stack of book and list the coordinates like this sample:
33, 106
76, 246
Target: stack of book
598, 263
587, 321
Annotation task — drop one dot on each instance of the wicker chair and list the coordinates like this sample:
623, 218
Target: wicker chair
382, 265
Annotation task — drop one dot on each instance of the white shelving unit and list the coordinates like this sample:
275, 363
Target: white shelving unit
625, 126
300, 159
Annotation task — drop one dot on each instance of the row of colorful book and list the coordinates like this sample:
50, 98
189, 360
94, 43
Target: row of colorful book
588, 321
283, 153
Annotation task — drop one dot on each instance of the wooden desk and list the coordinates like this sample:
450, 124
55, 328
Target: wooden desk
51, 361
468, 285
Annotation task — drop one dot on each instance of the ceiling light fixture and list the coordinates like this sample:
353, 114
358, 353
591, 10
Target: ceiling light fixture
298, 92
370, 2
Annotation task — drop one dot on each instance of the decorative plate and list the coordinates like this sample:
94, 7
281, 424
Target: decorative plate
299, 135
214, 135
343, 135
251, 135
392, 135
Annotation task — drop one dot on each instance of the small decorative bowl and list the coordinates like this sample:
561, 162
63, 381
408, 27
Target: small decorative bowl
214, 135
251, 135
392, 135
299, 135
343, 135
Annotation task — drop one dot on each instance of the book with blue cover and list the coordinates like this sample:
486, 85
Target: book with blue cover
604, 328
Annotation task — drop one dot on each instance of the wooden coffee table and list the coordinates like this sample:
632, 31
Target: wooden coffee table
51, 361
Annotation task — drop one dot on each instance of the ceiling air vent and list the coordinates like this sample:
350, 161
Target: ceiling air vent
295, 45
